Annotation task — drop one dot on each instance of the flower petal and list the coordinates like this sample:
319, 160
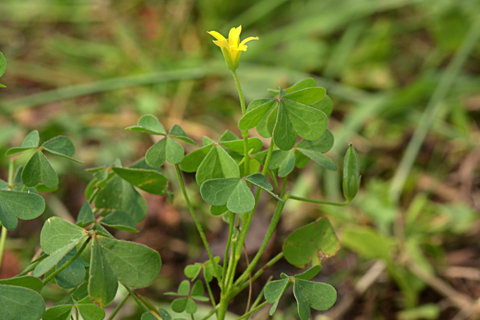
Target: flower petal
234, 36
222, 44
242, 44
217, 36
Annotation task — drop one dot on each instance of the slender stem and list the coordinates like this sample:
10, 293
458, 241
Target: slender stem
244, 132
210, 313
246, 315
120, 305
134, 296
63, 267
3, 235
258, 273
197, 223
77, 317
210, 294
441, 91
229, 241
260, 296
330, 203
269, 156
3, 238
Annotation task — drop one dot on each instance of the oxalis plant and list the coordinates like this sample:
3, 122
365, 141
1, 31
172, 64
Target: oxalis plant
232, 173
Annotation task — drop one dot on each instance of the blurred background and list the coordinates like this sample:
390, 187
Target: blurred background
405, 79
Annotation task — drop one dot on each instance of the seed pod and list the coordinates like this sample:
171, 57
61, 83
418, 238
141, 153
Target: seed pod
351, 174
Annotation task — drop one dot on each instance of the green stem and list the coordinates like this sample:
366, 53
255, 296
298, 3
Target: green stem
257, 274
269, 156
330, 203
64, 266
244, 132
210, 294
134, 296
260, 296
3, 235
469, 43
227, 248
120, 305
246, 315
211, 313
197, 223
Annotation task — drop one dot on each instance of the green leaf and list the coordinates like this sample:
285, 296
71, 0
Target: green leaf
307, 96
283, 161
184, 288
175, 152
57, 233
73, 275
24, 281
31, 141
284, 134
274, 291
217, 164
179, 305
37, 169
191, 307
29, 307
61, 146
148, 124
311, 243
228, 136
85, 216
322, 144
256, 113
218, 210
102, 284
192, 271
51, 261
135, 265
23, 205
62, 312
260, 181
310, 273
121, 195
302, 84
120, 220
177, 132
3, 64
157, 154
319, 158
238, 145
192, 161
148, 316
325, 104
91, 311
198, 289
150, 181
318, 296
233, 192
164, 314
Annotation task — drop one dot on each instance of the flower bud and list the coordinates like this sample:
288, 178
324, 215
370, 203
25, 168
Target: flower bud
351, 174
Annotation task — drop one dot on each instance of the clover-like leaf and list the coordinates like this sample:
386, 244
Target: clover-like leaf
150, 181
165, 149
288, 116
283, 161
85, 216
274, 291
23, 205
192, 271
134, 265
120, 220
192, 161
232, 192
61, 146
30, 306
177, 132
31, 141
73, 275
119, 194
90, 311
217, 164
102, 283
37, 169
57, 233
314, 150
61, 312
260, 181
29, 282
148, 124
315, 295
311, 243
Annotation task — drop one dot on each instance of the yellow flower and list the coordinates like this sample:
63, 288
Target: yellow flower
231, 48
